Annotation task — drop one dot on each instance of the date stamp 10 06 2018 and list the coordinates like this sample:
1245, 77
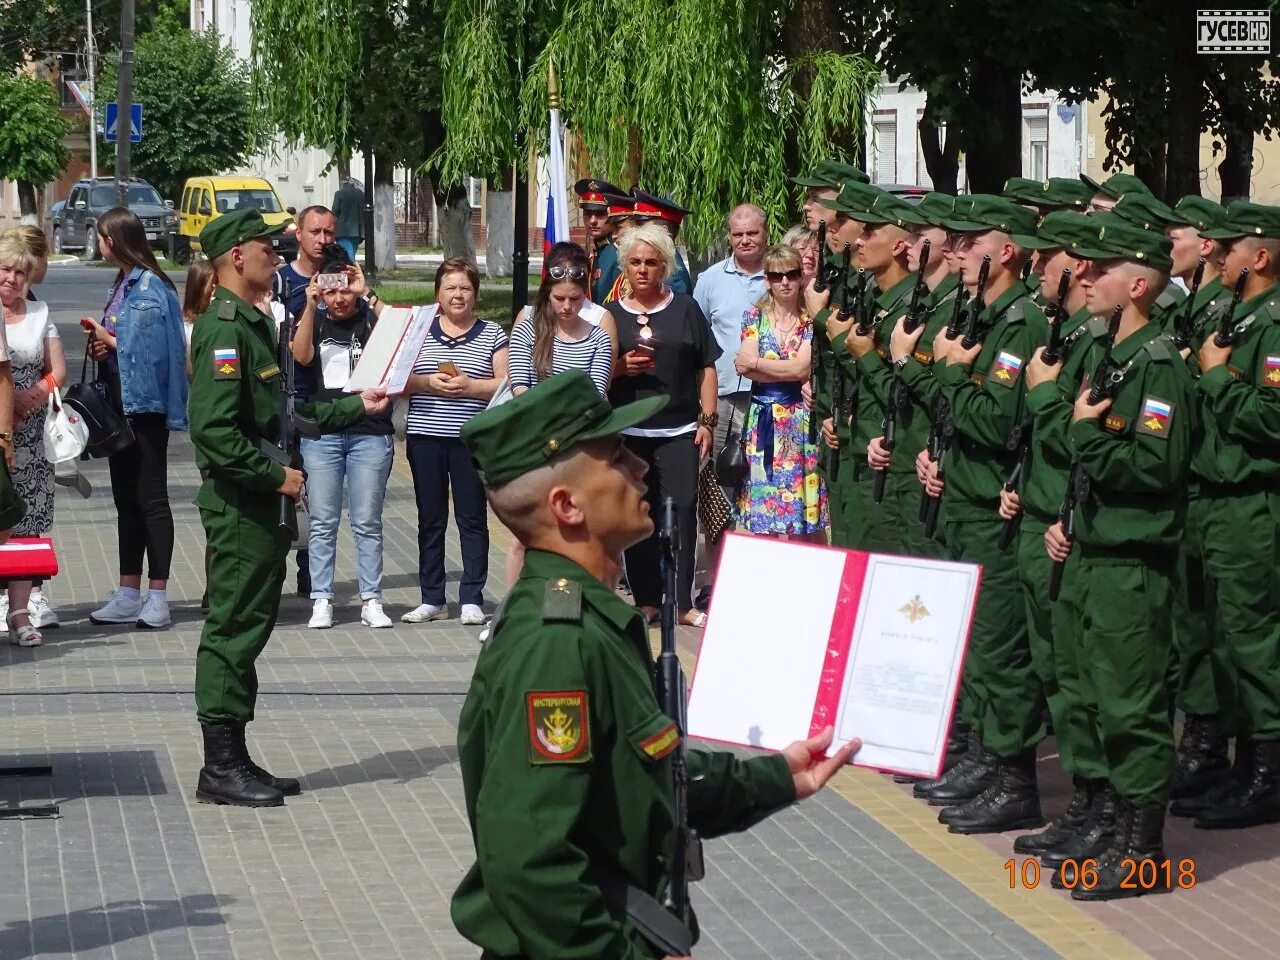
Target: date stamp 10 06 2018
1139, 874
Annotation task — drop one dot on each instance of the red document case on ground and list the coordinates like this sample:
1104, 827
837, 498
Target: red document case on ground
27, 558
802, 637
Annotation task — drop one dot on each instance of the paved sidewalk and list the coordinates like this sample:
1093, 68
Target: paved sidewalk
363, 863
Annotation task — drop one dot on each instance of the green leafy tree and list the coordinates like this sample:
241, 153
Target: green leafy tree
31, 133
199, 115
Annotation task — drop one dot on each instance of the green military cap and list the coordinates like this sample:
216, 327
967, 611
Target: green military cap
1054, 193
1195, 211
509, 440
1118, 239
987, 212
934, 208
232, 229
886, 208
831, 173
1116, 185
1143, 210
1245, 219
855, 196
1061, 228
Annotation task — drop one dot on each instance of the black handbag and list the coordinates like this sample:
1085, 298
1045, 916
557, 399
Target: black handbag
109, 431
731, 461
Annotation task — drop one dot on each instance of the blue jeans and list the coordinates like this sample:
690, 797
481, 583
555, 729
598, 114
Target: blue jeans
351, 245
361, 462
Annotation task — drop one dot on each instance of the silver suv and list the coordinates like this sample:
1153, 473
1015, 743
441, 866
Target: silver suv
74, 224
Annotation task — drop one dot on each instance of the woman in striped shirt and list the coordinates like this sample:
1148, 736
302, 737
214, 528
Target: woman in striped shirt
460, 367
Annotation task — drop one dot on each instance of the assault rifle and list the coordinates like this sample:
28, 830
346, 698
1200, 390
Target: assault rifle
1182, 331
1077, 490
1058, 310
1223, 337
1101, 386
1020, 443
971, 337
293, 427
821, 281
914, 314
944, 429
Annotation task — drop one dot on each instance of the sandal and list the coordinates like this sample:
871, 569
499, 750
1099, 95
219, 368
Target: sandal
25, 635
693, 618
650, 614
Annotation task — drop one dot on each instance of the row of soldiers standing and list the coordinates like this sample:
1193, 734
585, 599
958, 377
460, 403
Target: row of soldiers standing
1013, 381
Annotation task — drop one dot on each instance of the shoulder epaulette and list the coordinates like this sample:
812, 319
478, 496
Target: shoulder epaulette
1273, 309
1097, 327
1013, 313
562, 601
1169, 297
226, 310
1161, 349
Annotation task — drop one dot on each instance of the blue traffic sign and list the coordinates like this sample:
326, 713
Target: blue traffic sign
135, 124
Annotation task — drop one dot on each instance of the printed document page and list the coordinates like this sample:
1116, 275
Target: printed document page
393, 347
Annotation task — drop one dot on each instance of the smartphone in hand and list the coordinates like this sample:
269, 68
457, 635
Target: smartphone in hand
449, 368
332, 281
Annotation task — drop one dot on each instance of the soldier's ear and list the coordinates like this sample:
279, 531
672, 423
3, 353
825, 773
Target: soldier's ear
564, 507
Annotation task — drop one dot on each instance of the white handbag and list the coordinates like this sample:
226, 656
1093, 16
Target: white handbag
65, 434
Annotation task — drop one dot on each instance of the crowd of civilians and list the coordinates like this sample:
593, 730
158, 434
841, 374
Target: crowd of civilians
738, 347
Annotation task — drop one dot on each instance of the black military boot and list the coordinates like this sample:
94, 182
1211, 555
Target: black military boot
964, 781
1201, 762
1088, 843
1121, 869
1011, 803
1239, 778
1064, 826
957, 748
286, 785
226, 777
1258, 802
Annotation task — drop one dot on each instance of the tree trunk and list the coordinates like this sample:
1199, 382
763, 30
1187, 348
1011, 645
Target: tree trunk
1236, 168
27, 203
344, 169
384, 213
1149, 167
995, 152
812, 26
453, 208
1186, 93
499, 234
941, 159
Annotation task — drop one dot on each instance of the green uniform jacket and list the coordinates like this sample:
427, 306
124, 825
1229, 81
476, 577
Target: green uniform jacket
1137, 454
987, 404
235, 401
605, 270
553, 798
826, 361
1044, 478
872, 375
915, 423
1167, 306
1241, 401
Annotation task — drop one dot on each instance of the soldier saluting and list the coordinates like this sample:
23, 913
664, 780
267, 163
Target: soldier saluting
565, 753
235, 423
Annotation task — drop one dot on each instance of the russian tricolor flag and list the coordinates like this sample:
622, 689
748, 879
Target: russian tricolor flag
557, 227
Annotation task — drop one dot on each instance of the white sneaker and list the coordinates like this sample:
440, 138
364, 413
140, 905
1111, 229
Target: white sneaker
371, 614
155, 613
472, 616
4, 611
42, 615
426, 612
118, 608
321, 615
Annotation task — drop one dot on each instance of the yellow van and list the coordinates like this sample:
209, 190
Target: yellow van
204, 198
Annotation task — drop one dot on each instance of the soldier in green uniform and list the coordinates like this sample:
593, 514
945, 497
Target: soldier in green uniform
1107, 192
1045, 455
995, 786
1131, 455
883, 251
1238, 463
1150, 213
593, 201
1201, 673
235, 420
1044, 197
565, 752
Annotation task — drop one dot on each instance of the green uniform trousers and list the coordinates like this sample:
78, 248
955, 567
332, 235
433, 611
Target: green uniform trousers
1001, 693
1124, 643
833, 478
902, 493
1241, 535
247, 555
1201, 672
1077, 730
869, 525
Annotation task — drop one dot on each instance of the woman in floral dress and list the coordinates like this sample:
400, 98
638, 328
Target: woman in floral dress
782, 495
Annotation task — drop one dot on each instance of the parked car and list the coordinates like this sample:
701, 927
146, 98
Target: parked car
73, 225
207, 198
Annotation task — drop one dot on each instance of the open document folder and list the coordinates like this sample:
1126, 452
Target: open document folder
388, 358
801, 637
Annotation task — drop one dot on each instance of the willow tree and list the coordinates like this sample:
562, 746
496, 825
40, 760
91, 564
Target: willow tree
691, 98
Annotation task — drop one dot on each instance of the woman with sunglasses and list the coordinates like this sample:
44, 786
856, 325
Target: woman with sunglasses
805, 242
782, 495
555, 334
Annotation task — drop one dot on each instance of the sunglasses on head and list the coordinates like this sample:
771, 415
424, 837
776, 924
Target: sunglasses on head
570, 271
777, 276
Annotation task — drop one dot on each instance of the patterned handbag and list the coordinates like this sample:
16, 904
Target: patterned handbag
715, 514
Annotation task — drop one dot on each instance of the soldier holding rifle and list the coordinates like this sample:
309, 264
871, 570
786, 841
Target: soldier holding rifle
567, 756
236, 428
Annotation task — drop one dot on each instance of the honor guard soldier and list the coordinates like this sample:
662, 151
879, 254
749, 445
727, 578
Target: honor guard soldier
566, 755
1238, 463
1107, 192
593, 201
1148, 212
1130, 438
980, 377
611, 284
651, 207
823, 183
1046, 196
235, 412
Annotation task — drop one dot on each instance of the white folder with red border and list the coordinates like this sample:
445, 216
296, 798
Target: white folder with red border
27, 558
801, 637
387, 359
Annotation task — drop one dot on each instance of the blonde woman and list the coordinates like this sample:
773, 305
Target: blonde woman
782, 495
805, 242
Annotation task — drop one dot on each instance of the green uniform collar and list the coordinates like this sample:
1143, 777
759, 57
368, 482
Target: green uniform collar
1127, 348
1249, 306
888, 299
945, 289
1208, 290
545, 565
221, 296
1003, 302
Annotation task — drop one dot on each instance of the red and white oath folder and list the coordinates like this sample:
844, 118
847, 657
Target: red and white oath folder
801, 637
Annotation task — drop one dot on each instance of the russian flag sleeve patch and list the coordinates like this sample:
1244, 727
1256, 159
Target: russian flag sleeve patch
1155, 418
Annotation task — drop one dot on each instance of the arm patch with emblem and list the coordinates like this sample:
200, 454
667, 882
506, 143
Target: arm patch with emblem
226, 363
559, 729
1155, 418
1005, 369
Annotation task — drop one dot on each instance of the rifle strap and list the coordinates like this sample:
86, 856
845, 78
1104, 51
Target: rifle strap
651, 919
